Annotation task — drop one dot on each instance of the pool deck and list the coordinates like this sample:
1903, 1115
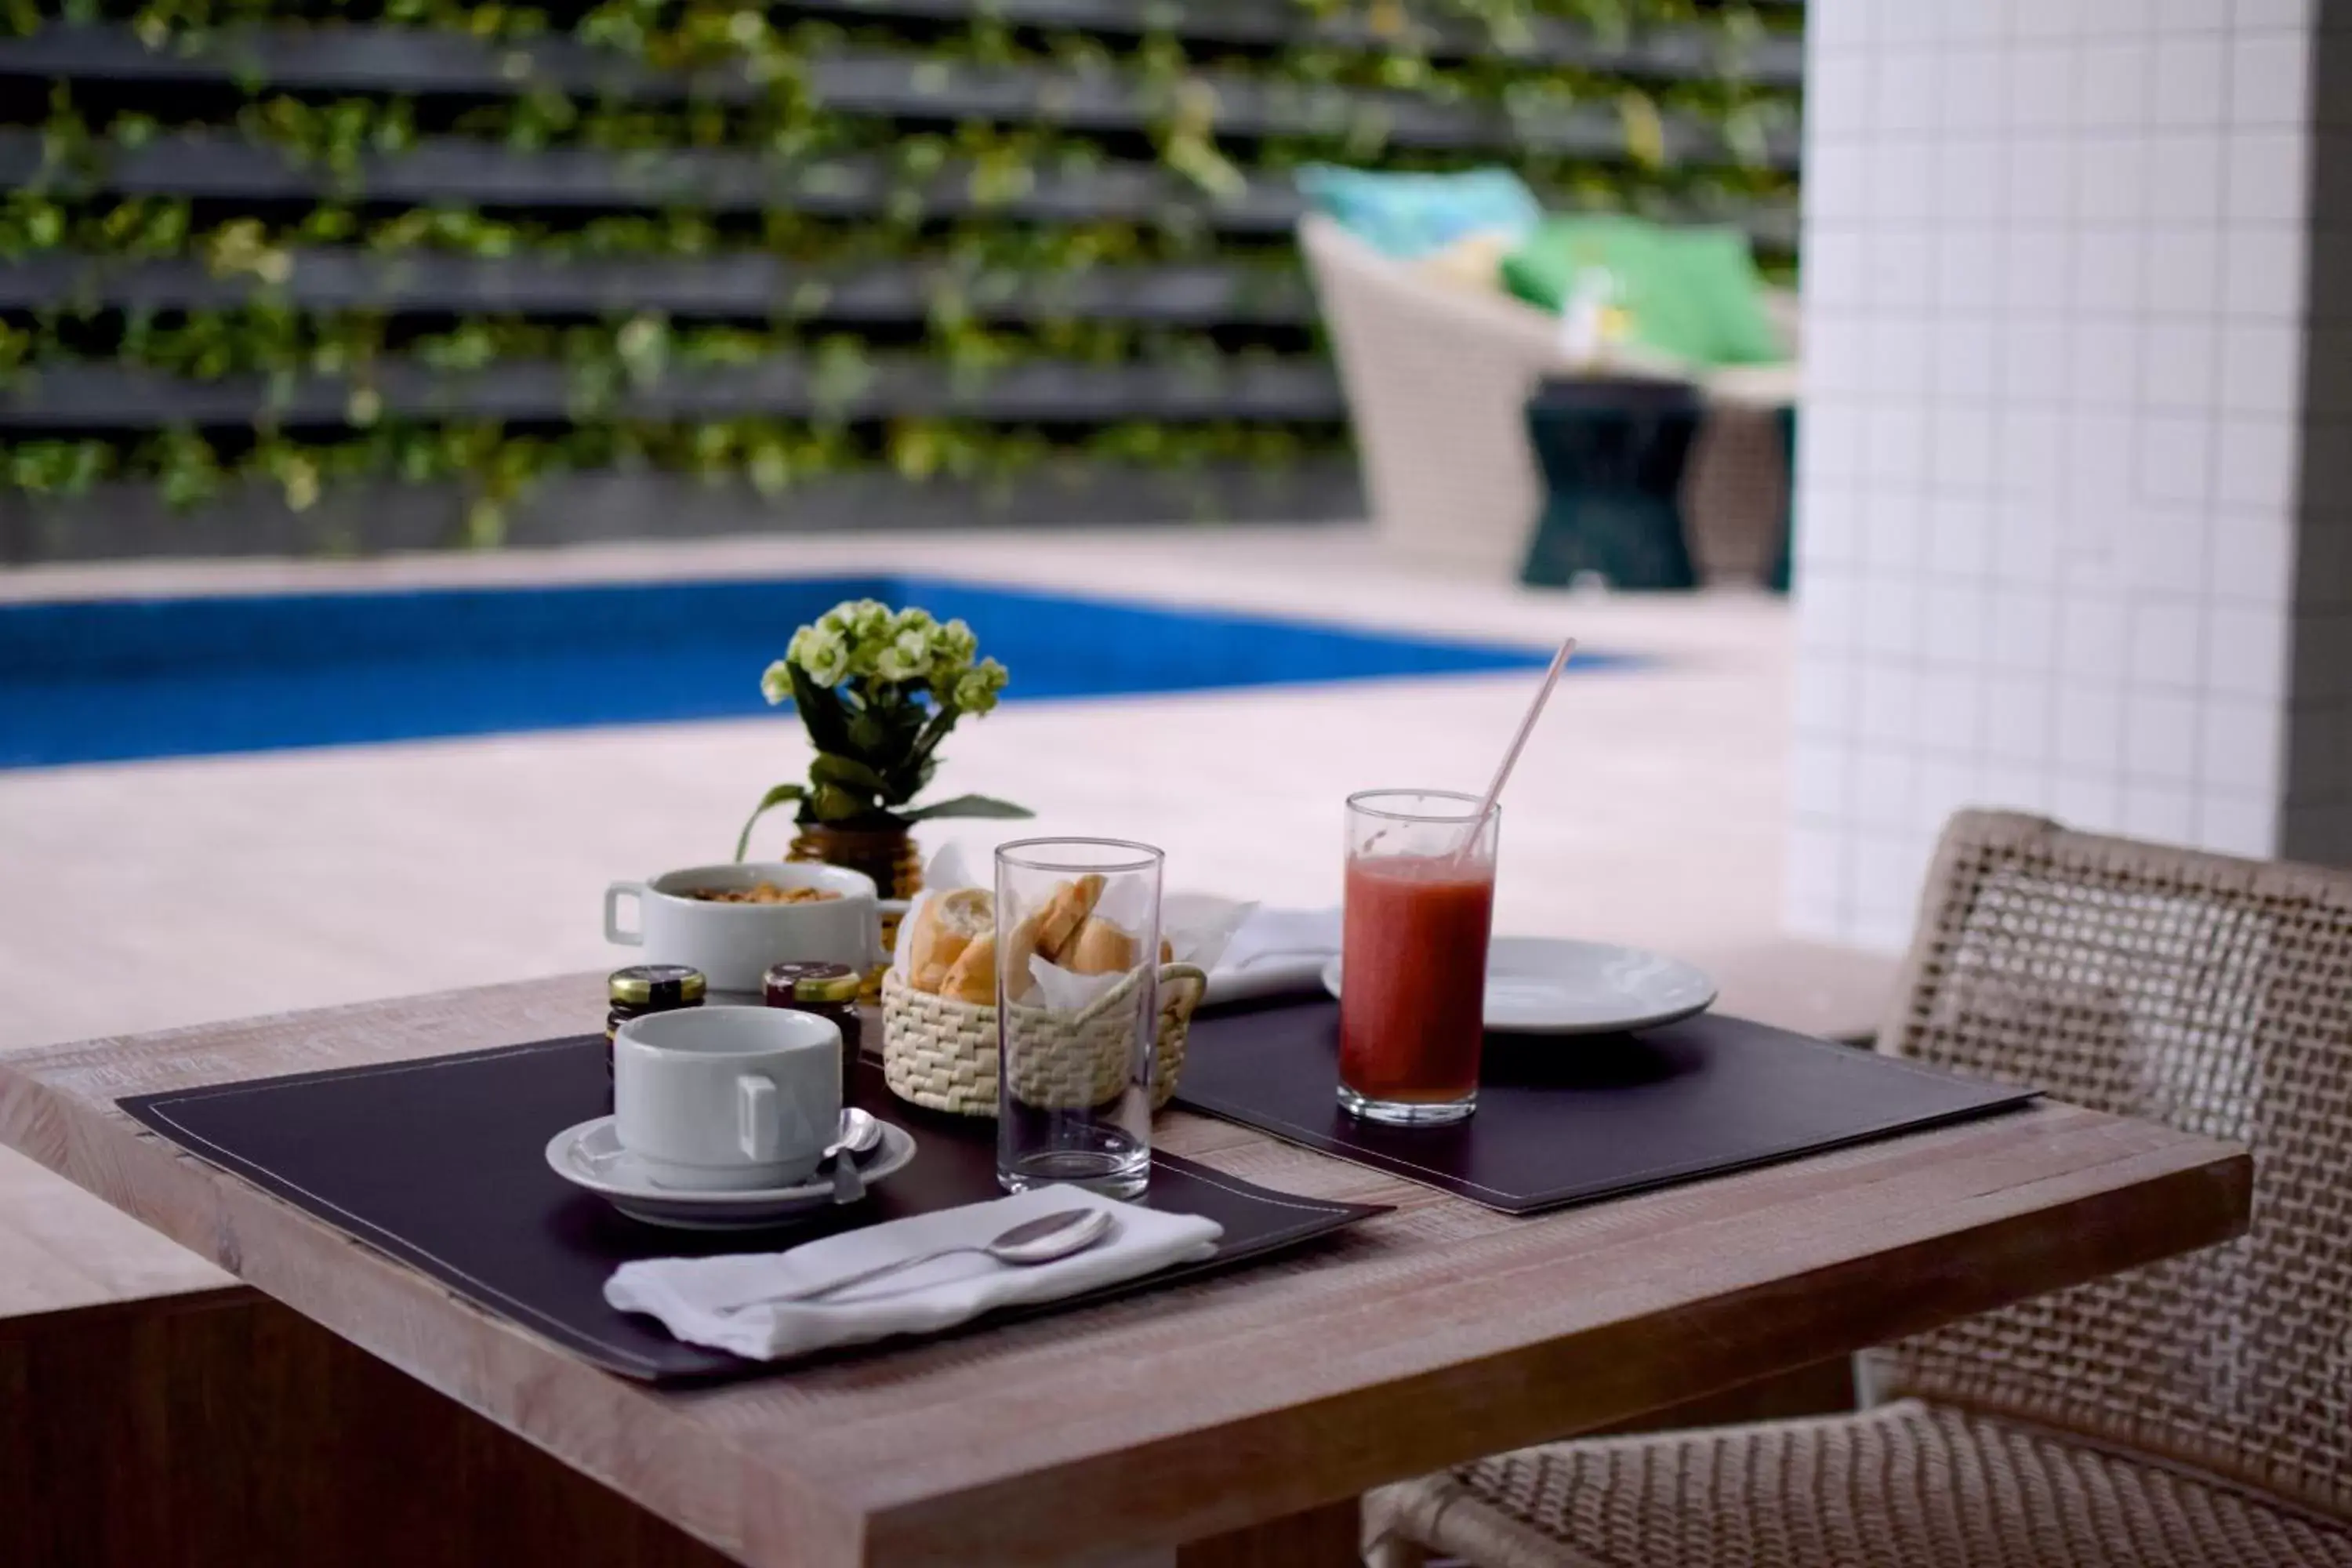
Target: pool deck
1648, 808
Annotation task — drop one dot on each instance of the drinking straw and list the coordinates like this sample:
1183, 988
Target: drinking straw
1511, 757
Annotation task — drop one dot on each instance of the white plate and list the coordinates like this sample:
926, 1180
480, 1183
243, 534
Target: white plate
1536, 985
590, 1156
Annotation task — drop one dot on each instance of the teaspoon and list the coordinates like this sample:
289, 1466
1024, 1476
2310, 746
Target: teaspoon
1045, 1240
860, 1131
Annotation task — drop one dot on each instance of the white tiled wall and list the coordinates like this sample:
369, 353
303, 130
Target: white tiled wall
2068, 539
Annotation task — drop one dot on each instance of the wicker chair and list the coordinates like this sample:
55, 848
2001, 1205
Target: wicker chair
1437, 378
2195, 1412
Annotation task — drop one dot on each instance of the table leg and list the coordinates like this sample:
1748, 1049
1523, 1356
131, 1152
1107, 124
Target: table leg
1325, 1537
220, 1430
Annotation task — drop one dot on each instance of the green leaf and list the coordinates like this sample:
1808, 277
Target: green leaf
847, 772
831, 802
967, 805
820, 712
869, 734
774, 797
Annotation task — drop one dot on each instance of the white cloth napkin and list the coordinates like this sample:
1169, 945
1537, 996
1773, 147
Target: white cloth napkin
685, 1293
1274, 952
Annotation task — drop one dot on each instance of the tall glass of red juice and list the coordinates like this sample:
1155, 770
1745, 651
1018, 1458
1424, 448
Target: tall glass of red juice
1412, 983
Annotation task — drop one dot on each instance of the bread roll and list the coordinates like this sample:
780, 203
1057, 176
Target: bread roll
944, 928
1023, 944
1064, 912
1099, 948
973, 976
1047, 929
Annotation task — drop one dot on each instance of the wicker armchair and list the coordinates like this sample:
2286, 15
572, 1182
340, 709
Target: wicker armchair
1437, 378
2195, 1412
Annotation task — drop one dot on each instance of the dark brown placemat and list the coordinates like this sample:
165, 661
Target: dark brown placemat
442, 1164
1566, 1119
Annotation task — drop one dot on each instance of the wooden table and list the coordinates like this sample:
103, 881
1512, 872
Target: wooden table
1245, 1410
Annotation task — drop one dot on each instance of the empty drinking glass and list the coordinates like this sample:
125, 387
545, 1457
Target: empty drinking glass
1077, 1010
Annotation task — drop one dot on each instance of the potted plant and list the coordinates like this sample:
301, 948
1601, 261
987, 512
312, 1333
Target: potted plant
877, 691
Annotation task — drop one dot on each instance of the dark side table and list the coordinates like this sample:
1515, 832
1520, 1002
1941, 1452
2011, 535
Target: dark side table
1611, 451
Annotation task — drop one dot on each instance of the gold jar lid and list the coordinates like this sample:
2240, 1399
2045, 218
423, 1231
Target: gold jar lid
812, 982
641, 984
843, 988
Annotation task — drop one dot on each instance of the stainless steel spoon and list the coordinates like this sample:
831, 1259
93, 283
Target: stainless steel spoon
859, 1133
1045, 1240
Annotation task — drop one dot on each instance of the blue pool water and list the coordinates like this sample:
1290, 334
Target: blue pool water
118, 680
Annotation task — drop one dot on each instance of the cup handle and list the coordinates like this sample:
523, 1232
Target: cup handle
612, 896
877, 955
755, 1117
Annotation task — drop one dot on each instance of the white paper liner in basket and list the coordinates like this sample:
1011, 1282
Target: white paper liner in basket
1196, 926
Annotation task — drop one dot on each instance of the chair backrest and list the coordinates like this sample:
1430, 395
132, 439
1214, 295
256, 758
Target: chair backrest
1437, 377
2209, 993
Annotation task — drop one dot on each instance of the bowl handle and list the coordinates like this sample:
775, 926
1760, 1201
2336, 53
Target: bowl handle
612, 896
755, 1110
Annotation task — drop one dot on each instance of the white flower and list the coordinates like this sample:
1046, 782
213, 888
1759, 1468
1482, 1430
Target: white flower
953, 646
976, 689
863, 639
822, 653
907, 656
865, 621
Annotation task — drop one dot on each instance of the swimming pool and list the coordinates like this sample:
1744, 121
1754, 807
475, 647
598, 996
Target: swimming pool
119, 680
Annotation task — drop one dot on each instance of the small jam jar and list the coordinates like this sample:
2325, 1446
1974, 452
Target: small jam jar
827, 990
644, 989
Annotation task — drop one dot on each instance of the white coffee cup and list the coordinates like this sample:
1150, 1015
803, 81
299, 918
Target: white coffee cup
719, 1098
733, 944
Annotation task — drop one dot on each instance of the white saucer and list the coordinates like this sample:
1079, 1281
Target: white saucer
590, 1156
1537, 985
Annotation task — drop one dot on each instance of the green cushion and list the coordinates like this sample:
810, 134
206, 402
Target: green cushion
1405, 216
1721, 271
1689, 292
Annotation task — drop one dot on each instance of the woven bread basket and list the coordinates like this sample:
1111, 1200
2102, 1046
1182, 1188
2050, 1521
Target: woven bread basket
940, 1052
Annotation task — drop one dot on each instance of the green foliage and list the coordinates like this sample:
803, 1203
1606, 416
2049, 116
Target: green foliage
495, 467
966, 262
879, 690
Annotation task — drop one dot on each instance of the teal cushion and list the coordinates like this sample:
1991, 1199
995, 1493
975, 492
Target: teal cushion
1405, 216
